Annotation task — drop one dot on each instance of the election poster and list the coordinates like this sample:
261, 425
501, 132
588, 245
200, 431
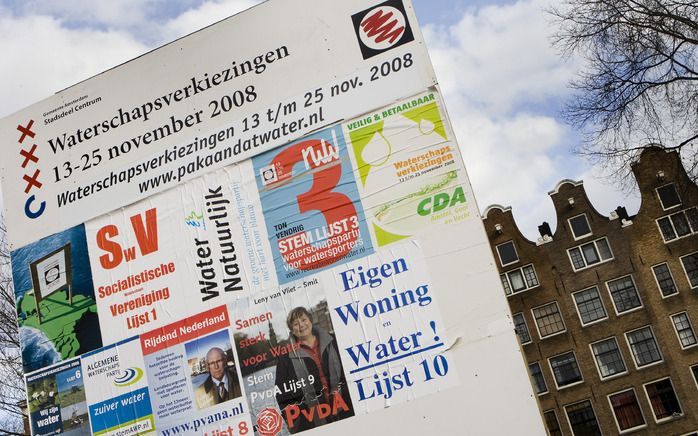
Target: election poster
271, 235
190, 247
311, 205
387, 308
290, 359
117, 391
56, 401
409, 176
55, 299
194, 377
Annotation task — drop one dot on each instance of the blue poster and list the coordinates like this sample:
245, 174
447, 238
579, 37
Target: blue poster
56, 401
311, 205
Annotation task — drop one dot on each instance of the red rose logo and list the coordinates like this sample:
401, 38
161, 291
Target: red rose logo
269, 422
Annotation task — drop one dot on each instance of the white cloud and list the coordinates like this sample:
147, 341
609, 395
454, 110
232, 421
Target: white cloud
204, 15
503, 83
500, 56
108, 13
41, 57
44, 51
606, 196
512, 162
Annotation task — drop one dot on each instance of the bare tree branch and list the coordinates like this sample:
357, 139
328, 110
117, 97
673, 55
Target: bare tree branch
640, 83
11, 374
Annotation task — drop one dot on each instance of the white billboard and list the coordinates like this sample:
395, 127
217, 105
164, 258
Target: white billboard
216, 97
271, 230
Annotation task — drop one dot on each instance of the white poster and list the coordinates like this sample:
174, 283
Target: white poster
117, 390
176, 254
199, 105
385, 307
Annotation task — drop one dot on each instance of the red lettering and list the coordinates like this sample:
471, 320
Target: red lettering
114, 256
309, 414
334, 206
338, 403
146, 235
293, 412
323, 411
130, 253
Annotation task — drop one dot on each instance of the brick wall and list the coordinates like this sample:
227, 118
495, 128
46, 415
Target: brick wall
636, 245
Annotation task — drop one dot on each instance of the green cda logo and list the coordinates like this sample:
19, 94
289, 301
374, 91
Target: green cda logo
128, 376
440, 201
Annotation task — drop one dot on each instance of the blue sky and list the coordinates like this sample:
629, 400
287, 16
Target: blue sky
502, 82
202, 345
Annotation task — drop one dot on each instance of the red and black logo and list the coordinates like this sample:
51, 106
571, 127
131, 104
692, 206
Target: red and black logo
382, 27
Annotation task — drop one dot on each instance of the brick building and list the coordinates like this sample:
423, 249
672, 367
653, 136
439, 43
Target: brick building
606, 308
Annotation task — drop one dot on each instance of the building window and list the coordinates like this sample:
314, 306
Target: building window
608, 357
668, 196
537, 378
626, 410
507, 253
623, 294
505, 284
684, 330
690, 266
662, 398
692, 217
694, 371
521, 328
519, 280
548, 320
552, 424
580, 226
530, 276
679, 224
582, 419
665, 280
565, 370
589, 306
643, 346
590, 254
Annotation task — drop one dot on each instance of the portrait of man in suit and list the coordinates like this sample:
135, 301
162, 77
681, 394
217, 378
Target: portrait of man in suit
222, 383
